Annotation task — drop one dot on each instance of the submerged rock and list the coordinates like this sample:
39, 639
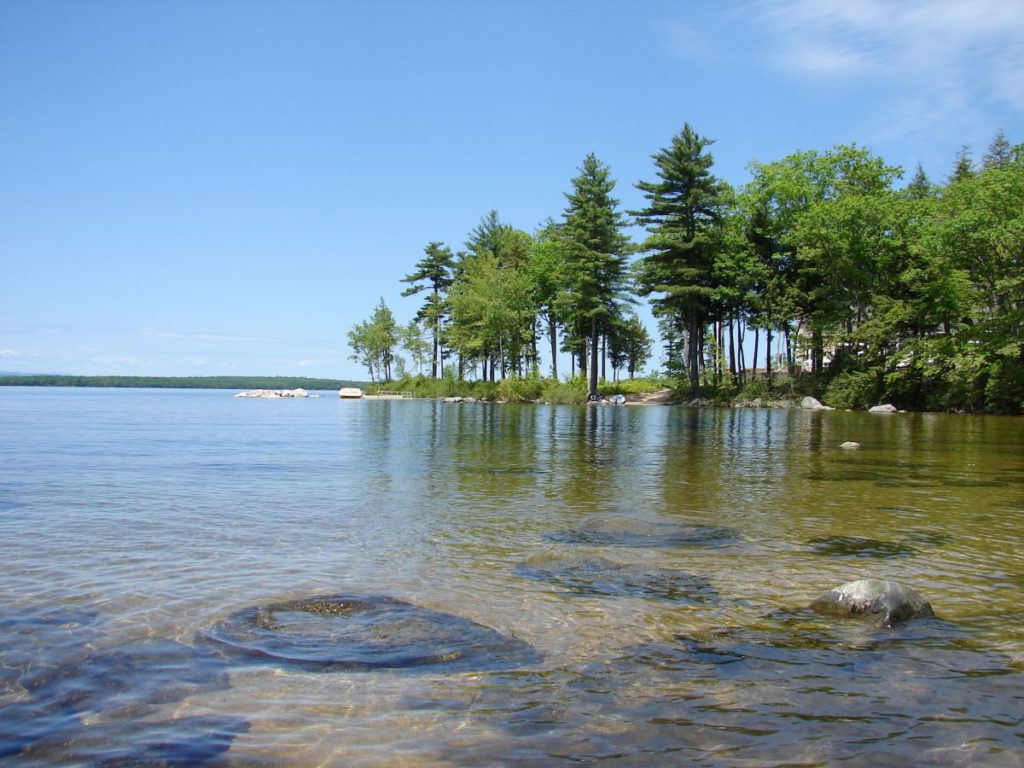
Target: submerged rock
858, 546
136, 677
887, 601
184, 741
328, 632
628, 532
600, 576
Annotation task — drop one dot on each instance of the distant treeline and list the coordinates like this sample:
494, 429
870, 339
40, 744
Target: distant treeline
177, 382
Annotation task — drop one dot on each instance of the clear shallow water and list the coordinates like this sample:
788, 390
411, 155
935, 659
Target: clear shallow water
134, 523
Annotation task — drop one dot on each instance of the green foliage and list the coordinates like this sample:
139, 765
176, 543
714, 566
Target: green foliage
1004, 388
753, 388
867, 293
493, 300
629, 344
517, 390
373, 342
569, 392
683, 217
637, 386
595, 251
433, 273
853, 389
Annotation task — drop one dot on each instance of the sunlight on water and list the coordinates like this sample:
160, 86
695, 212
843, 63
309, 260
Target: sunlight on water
633, 579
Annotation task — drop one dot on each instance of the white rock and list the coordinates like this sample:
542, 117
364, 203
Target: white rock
886, 408
274, 393
850, 445
811, 404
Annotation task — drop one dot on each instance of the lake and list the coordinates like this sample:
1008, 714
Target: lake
500, 584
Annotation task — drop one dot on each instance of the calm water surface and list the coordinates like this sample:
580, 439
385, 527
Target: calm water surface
641, 573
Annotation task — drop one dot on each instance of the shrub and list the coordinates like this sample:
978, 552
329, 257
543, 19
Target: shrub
564, 392
853, 389
517, 390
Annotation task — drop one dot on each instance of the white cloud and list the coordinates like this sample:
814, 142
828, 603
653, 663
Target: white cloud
8, 353
930, 61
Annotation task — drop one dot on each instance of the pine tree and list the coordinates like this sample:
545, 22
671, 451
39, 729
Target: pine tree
963, 168
596, 255
999, 154
682, 216
920, 187
433, 273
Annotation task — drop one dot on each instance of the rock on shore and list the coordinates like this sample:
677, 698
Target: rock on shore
813, 404
274, 393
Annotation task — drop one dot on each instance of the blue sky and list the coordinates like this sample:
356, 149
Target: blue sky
198, 187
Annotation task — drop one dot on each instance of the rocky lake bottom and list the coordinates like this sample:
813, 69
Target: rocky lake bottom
193, 579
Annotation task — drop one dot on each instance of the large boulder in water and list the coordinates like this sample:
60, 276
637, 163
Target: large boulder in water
334, 632
887, 601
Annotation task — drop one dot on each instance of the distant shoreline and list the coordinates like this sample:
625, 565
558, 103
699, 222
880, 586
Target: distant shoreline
177, 382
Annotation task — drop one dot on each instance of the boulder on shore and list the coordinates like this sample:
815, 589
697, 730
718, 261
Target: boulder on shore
888, 602
886, 408
812, 404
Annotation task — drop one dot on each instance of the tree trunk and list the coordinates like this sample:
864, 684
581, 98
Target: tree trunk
741, 363
757, 344
604, 356
768, 357
732, 349
692, 356
592, 392
553, 335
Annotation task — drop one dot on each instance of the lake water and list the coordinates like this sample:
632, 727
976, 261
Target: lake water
613, 586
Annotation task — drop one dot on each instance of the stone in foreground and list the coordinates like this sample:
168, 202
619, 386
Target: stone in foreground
333, 632
887, 601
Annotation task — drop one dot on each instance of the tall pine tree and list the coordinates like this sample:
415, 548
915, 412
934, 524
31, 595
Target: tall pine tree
433, 273
682, 216
596, 256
